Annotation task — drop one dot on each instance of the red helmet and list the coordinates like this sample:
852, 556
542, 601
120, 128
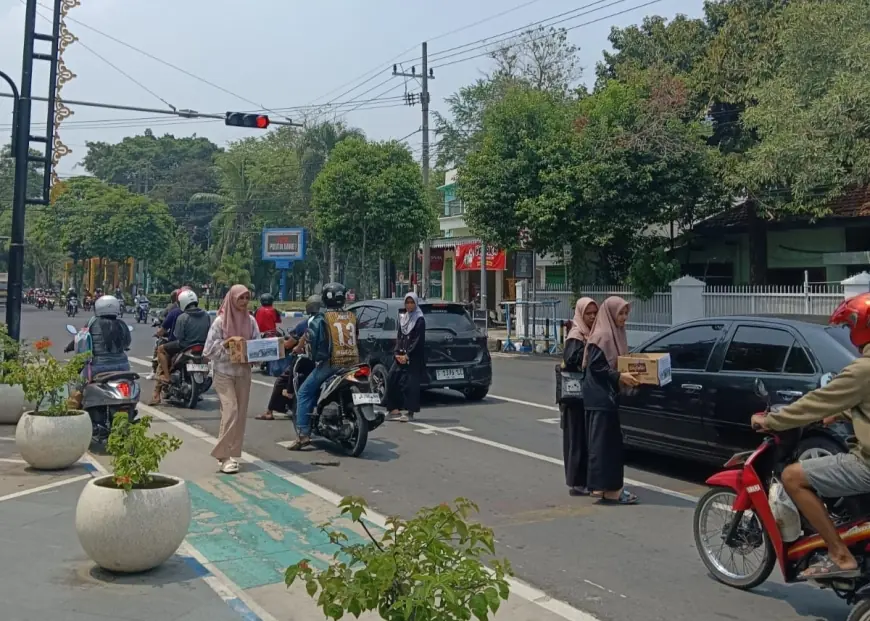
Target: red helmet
855, 313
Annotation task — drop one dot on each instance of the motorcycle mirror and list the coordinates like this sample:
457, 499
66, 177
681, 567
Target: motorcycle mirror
71, 329
760, 388
825, 379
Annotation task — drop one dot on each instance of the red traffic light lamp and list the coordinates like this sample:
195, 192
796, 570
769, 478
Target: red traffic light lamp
240, 119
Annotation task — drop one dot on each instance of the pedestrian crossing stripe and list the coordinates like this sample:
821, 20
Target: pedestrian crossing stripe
550, 421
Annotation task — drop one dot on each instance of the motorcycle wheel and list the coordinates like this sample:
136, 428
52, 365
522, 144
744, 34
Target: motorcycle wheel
861, 611
193, 398
357, 444
721, 499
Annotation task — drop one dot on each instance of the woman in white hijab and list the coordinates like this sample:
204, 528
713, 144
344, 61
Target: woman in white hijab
403, 381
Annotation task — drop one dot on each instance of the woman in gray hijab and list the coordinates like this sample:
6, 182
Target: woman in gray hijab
403, 382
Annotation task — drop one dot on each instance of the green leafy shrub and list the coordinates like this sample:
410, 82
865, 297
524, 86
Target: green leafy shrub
135, 454
43, 378
428, 568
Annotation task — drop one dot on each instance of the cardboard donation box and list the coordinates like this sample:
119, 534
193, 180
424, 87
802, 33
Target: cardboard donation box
256, 350
654, 369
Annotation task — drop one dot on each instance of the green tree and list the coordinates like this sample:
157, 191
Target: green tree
541, 59
369, 200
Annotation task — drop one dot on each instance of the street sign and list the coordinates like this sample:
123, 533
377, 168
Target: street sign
283, 244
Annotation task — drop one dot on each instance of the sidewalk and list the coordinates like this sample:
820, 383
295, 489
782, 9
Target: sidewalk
245, 530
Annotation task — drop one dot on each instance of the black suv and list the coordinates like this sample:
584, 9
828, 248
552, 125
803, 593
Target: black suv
456, 350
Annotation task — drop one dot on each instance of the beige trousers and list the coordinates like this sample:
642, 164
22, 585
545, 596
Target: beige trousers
233, 392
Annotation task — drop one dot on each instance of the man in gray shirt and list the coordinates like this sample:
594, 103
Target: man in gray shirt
191, 327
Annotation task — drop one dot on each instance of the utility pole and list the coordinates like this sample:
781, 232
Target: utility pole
427, 75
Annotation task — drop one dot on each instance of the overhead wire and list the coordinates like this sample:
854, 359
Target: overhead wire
587, 23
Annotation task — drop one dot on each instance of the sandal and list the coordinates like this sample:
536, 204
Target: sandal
230, 466
827, 568
625, 498
578, 491
264, 416
299, 443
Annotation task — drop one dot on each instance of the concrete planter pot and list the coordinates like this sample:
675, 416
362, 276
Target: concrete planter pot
11, 404
53, 442
134, 531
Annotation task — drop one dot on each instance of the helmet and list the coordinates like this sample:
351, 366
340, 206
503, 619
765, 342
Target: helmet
107, 306
313, 304
71, 289
855, 313
333, 295
266, 299
186, 298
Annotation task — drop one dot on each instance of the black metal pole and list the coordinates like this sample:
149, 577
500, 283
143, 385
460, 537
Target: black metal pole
14, 110
22, 145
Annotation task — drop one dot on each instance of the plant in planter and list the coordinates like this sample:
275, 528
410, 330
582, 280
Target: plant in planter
53, 435
134, 519
428, 568
11, 394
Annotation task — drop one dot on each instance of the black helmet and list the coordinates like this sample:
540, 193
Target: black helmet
333, 294
266, 299
313, 304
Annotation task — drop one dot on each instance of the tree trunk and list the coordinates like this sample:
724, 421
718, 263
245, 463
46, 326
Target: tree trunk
757, 229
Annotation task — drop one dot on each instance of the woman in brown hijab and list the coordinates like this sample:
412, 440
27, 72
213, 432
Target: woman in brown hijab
601, 385
574, 446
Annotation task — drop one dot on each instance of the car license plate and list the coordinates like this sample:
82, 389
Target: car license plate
449, 374
197, 368
366, 398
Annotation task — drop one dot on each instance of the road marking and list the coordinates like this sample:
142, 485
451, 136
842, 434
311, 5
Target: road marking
518, 587
8, 460
46, 487
460, 432
234, 597
6, 439
550, 421
547, 459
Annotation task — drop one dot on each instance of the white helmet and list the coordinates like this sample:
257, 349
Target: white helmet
186, 298
107, 305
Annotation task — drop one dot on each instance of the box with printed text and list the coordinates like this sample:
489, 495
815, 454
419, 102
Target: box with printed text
654, 369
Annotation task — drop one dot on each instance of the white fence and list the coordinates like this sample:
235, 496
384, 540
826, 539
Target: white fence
695, 300
808, 299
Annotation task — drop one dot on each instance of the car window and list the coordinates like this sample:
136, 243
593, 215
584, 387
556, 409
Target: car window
798, 362
758, 349
365, 317
841, 335
451, 317
377, 320
690, 348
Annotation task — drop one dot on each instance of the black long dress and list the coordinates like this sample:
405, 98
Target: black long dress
403, 381
575, 450
604, 433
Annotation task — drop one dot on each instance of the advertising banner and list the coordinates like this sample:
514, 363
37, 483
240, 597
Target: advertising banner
283, 244
468, 257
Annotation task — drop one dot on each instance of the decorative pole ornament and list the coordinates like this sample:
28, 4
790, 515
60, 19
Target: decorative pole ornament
61, 110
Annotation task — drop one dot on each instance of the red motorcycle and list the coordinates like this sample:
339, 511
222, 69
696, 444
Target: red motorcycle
741, 547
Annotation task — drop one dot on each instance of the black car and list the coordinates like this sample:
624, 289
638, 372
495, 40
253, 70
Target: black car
704, 412
456, 350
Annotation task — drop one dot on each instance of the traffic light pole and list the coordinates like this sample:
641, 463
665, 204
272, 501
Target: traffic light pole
424, 163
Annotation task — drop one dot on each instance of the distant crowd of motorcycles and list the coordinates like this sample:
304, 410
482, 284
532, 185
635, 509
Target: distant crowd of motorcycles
48, 299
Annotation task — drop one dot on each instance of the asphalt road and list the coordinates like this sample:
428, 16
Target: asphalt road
617, 563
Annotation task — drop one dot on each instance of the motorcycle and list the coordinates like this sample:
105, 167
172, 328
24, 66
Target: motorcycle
189, 377
87, 303
345, 410
763, 519
106, 394
72, 307
50, 303
142, 311
41, 301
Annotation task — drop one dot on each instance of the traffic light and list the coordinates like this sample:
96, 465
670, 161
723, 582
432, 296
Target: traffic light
240, 119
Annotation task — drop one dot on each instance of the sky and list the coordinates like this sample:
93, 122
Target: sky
283, 55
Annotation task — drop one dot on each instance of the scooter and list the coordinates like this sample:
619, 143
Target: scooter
189, 378
142, 311
106, 394
748, 495
50, 303
345, 410
72, 307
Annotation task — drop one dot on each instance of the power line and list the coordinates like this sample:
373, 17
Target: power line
593, 21
167, 63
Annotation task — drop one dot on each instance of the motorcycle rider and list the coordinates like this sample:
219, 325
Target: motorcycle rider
267, 316
190, 328
283, 387
846, 396
110, 338
332, 335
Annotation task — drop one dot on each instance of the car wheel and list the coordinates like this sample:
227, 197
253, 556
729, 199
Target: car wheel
378, 381
476, 393
815, 446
